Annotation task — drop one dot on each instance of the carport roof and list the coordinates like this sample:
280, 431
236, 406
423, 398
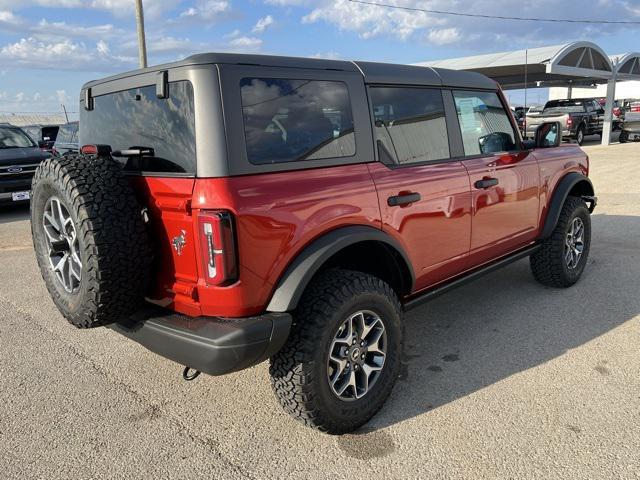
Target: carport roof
578, 63
627, 66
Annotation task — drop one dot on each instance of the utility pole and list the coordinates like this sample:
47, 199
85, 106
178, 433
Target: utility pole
64, 109
142, 44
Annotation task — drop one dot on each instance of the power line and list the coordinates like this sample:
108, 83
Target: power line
498, 17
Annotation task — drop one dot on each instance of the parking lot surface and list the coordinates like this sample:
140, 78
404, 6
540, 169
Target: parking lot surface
502, 378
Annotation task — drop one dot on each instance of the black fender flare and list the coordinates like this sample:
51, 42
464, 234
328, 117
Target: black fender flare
306, 264
560, 195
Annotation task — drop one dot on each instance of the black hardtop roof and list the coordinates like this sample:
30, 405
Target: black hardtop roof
373, 72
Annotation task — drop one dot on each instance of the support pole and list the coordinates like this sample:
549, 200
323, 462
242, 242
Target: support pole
608, 108
142, 44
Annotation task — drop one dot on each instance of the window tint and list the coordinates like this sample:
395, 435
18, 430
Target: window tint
411, 124
137, 118
11, 137
289, 120
484, 123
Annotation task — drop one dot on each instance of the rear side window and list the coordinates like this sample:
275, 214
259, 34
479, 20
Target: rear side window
484, 123
137, 118
288, 120
411, 123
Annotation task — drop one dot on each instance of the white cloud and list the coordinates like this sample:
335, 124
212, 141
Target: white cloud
248, 44
118, 8
37, 97
62, 55
62, 97
207, 10
327, 55
20, 97
370, 21
262, 24
444, 36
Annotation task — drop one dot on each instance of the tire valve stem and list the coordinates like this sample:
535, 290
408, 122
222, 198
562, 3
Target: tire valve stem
190, 373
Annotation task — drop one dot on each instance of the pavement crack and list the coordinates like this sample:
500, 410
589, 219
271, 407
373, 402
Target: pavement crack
155, 410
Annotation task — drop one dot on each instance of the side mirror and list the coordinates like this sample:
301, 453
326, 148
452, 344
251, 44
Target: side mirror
548, 135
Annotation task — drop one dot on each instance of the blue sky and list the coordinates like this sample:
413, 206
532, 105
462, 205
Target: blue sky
49, 48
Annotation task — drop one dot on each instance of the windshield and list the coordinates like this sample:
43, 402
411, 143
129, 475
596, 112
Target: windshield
14, 138
68, 133
564, 106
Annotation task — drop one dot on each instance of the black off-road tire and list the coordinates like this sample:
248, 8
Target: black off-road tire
548, 264
624, 137
580, 134
299, 370
112, 241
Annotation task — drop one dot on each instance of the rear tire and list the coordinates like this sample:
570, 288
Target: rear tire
89, 238
624, 137
317, 361
557, 263
580, 135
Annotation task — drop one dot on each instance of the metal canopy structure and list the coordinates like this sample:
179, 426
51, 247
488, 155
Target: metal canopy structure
577, 63
572, 64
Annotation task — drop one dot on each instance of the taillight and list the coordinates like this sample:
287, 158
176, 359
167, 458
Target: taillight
218, 247
569, 122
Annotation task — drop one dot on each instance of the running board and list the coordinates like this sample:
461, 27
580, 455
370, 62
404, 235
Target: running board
468, 277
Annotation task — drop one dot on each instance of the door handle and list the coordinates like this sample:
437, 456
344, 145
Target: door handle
486, 183
404, 199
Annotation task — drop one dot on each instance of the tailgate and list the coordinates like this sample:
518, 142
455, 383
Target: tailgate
171, 227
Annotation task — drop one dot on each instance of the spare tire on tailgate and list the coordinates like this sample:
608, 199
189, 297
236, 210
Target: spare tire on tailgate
90, 238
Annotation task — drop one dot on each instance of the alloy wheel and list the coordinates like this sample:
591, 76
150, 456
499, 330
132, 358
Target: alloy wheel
574, 243
61, 240
357, 355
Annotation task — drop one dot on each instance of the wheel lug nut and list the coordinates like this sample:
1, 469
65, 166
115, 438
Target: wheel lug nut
354, 342
362, 356
362, 343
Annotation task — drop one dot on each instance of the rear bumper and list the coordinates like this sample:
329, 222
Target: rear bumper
209, 344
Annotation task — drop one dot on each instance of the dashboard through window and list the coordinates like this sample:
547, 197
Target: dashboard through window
289, 120
484, 123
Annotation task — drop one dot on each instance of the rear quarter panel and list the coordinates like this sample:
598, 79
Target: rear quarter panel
277, 215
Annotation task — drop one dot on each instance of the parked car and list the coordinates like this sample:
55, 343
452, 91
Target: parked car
67, 140
631, 105
19, 157
534, 110
43, 135
227, 209
630, 129
578, 118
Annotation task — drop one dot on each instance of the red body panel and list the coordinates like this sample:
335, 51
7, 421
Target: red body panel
435, 231
277, 215
453, 227
505, 216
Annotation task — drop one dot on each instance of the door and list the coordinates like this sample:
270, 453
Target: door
424, 196
504, 179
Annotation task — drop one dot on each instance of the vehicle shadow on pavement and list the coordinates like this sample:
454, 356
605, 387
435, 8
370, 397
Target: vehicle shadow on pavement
505, 323
14, 213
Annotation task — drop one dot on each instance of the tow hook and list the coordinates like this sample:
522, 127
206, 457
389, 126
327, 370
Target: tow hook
190, 373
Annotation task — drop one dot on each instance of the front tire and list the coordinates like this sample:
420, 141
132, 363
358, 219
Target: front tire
562, 257
343, 355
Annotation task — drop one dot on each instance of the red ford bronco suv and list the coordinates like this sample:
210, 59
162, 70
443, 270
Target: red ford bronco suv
227, 209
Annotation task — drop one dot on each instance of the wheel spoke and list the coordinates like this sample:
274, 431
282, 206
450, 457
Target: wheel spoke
62, 243
356, 355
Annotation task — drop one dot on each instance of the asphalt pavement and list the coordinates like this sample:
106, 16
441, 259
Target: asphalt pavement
502, 378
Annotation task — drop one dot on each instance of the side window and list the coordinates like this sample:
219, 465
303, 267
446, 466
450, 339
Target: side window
590, 107
410, 123
137, 118
484, 123
288, 120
